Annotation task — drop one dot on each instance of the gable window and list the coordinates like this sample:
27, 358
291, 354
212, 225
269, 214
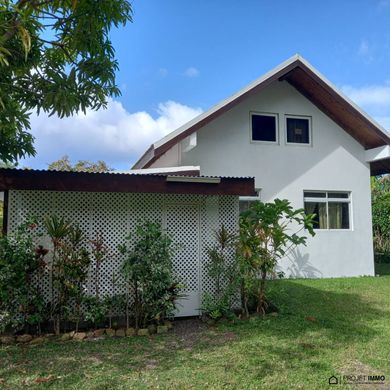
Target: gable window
245, 202
298, 130
332, 209
264, 127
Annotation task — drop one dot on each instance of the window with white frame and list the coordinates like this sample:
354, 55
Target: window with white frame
332, 209
245, 202
264, 127
298, 130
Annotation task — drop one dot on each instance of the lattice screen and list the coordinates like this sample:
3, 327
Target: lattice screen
192, 219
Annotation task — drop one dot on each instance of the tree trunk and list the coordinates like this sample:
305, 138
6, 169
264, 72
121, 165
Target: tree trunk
97, 277
261, 303
244, 301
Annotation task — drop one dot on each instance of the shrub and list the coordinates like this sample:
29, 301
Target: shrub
381, 217
95, 310
266, 235
151, 286
222, 270
21, 263
70, 262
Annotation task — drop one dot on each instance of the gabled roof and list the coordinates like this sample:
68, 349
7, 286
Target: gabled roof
310, 83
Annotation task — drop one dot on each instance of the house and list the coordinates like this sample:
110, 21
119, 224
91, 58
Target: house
190, 207
302, 140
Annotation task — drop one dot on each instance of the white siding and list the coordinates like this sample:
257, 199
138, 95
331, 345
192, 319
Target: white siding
334, 161
115, 215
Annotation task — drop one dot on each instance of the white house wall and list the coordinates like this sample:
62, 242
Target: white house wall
334, 161
115, 215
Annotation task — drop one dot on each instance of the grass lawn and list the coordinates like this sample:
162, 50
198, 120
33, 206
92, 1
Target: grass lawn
325, 327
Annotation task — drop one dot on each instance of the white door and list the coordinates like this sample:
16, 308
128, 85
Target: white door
183, 222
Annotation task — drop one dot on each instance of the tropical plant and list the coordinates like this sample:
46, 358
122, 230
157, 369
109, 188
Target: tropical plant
100, 253
56, 57
21, 263
222, 270
95, 310
268, 232
151, 285
70, 262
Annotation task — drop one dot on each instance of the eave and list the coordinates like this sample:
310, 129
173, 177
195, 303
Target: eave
310, 83
15, 179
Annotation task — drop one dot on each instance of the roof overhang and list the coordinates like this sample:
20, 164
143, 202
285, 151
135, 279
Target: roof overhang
310, 83
379, 159
15, 179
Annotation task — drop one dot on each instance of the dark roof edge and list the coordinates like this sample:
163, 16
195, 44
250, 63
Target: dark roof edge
14, 179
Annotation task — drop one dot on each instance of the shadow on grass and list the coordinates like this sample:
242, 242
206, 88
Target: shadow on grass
316, 318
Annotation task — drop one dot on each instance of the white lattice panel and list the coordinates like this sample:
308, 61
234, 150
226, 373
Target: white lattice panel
192, 219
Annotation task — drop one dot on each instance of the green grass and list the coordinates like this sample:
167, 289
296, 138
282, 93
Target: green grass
325, 327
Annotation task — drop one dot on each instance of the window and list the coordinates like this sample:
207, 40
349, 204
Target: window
246, 201
263, 127
331, 209
298, 130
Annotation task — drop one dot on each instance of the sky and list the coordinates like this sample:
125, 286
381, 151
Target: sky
178, 58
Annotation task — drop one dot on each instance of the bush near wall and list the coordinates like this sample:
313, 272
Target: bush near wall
25, 266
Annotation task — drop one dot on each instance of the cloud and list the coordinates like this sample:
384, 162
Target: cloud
191, 72
366, 51
374, 99
163, 72
383, 4
113, 135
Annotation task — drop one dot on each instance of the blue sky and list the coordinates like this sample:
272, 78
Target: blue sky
181, 57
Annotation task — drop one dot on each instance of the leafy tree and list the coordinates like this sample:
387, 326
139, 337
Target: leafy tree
266, 235
64, 164
55, 56
380, 187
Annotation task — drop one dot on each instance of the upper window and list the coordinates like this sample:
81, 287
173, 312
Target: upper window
331, 209
298, 130
264, 127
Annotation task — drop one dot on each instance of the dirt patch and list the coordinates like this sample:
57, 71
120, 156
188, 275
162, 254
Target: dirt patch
191, 326
190, 332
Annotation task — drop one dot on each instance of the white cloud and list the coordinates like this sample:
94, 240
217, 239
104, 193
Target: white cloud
371, 95
374, 99
113, 135
383, 4
163, 72
191, 72
365, 51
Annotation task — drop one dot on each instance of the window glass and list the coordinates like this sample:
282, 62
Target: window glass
319, 209
298, 130
309, 194
331, 209
263, 128
338, 215
337, 195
